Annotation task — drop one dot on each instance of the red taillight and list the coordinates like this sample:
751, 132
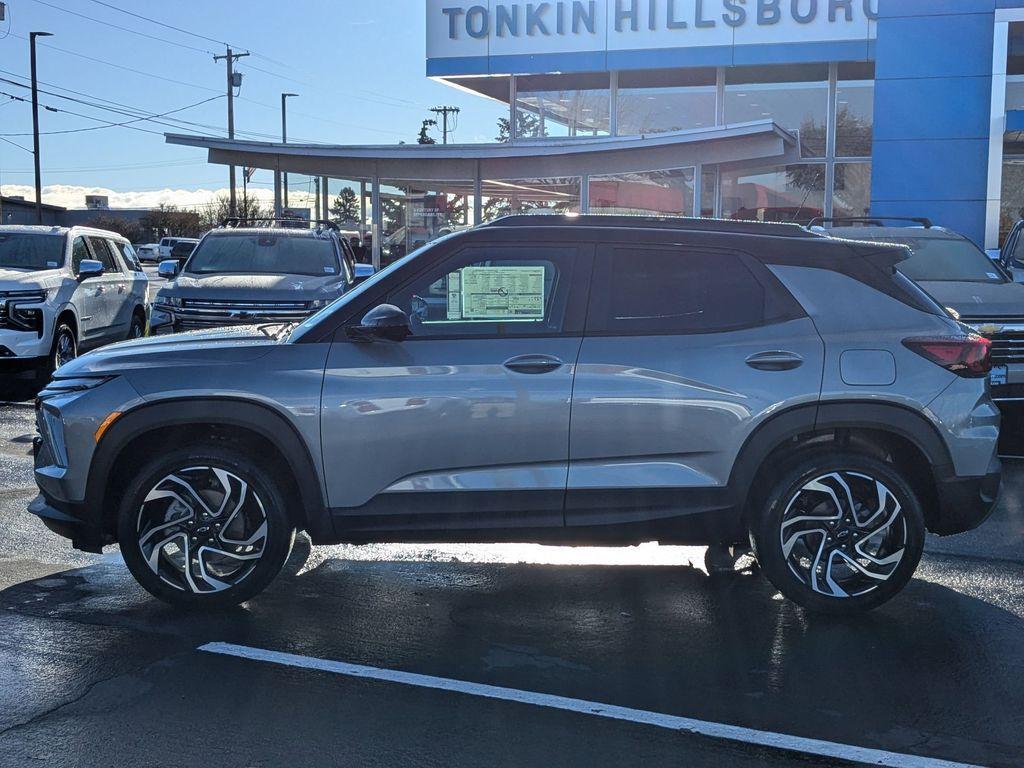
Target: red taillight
967, 356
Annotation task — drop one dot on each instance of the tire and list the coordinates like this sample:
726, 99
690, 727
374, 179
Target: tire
234, 552
137, 329
826, 559
63, 350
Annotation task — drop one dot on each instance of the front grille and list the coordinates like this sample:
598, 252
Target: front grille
1007, 348
246, 306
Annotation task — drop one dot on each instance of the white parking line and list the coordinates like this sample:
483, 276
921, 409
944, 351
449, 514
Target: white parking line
593, 708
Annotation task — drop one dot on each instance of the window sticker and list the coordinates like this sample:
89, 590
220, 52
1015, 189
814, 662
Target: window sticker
454, 296
501, 293
329, 270
52, 264
992, 275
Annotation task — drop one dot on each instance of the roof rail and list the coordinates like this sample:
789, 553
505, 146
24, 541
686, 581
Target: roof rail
234, 222
871, 221
739, 226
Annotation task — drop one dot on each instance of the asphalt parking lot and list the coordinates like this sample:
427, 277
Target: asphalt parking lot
382, 656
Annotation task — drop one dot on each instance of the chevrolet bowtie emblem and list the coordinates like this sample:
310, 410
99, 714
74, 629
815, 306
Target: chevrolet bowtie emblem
989, 329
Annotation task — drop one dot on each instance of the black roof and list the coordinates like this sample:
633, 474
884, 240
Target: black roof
725, 226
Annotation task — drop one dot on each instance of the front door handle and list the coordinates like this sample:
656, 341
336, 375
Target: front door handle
775, 361
533, 364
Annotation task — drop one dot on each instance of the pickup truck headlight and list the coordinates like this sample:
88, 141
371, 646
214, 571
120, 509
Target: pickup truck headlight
168, 302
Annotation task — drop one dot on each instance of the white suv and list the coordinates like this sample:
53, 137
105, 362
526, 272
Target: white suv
63, 290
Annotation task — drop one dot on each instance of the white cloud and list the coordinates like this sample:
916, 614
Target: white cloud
71, 196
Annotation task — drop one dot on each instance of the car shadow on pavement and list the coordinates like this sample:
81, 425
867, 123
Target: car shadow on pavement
935, 671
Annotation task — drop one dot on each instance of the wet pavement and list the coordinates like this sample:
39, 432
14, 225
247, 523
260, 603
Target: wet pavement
95, 672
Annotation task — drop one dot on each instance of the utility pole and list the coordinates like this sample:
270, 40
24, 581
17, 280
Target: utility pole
284, 137
233, 81
35, 122
443, 112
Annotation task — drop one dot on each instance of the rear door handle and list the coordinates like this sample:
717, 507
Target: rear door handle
533, 364
775, 361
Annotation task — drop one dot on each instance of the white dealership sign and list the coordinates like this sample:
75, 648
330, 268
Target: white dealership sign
494, 28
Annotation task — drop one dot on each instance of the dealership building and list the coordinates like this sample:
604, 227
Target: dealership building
780, 110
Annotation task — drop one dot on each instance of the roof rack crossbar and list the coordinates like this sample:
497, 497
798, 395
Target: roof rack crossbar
872, 221
234, 222
739, 226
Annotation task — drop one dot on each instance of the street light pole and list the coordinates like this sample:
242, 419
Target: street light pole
284, 138
35, 122
231, 58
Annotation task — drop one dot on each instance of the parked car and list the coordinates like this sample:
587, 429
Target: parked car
1011, 255
183, 249
148, 253
167, 244
591, 379
242, 274
63, 291
963, 278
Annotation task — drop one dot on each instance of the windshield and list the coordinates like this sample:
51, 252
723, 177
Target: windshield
946, 259
265, 254
33, 252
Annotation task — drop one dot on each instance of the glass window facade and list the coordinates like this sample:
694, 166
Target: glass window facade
784, 193
668, 192
416, 212
502, 197
851, 189
795, 97
666, 100
855, 110
553, 105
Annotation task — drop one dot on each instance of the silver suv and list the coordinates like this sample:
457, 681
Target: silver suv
63, 290
253, 271
573, 380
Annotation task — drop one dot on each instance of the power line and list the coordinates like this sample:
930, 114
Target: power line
15, 144
163, 24
123, 29
106, 123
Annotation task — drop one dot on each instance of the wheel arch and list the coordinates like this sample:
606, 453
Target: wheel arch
118, 450
874, 428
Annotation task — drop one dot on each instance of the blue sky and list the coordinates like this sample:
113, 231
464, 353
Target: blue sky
358, 66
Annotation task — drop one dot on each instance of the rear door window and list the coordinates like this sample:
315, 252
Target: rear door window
102, 253
679, 290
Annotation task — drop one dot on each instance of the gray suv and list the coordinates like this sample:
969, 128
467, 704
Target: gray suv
253, 271
566, 380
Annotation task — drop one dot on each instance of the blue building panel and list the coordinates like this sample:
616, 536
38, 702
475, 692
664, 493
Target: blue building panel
933, 108
933, 94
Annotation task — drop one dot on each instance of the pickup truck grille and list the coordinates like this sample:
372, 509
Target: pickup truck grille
212, 313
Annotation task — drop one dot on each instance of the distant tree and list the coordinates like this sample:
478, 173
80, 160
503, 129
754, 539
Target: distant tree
133, 231
219, 209
346, 205
528, 126
169, 220
425, 137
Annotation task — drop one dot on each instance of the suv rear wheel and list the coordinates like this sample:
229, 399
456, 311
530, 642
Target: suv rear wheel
840, 532
204, 526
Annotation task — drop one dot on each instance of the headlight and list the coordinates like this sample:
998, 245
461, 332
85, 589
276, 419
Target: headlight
953, 313
319, 303
70, 386
21, 310
168, 302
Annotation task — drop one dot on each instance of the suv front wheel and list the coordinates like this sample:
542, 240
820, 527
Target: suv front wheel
840, 532
204, 526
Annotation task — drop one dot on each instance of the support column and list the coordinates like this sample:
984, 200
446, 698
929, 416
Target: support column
277, 194
698, 190
478, 202
378, 222
362, 210
585, 193
325, 205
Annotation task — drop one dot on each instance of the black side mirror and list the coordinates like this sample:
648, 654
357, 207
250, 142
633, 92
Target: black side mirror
89, 268
382, 322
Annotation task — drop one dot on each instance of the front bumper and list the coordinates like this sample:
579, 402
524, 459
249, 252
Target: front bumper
964, 503
22, 345
68, 520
